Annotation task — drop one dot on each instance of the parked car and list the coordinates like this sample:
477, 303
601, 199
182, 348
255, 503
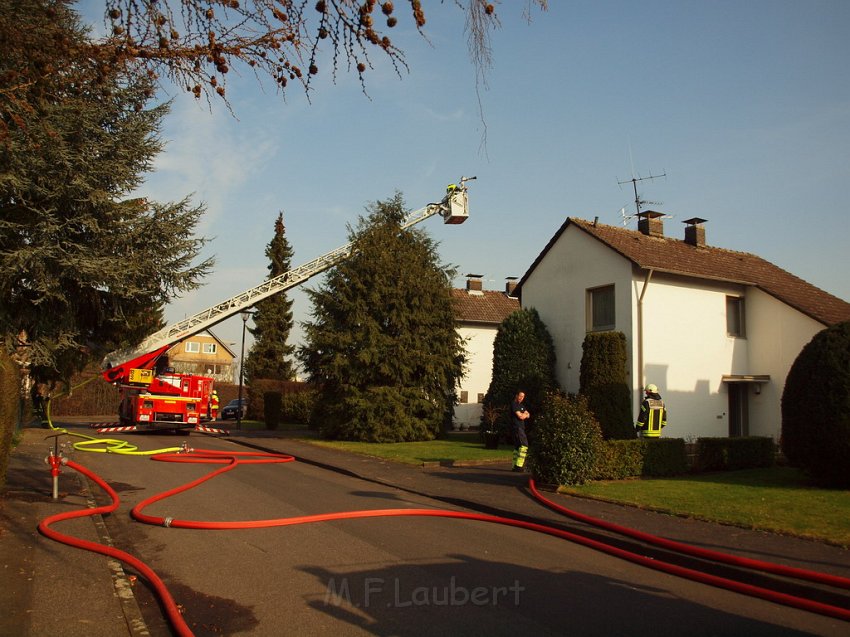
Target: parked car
231, 409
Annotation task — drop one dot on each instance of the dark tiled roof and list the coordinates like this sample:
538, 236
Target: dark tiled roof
666, 254
488, 306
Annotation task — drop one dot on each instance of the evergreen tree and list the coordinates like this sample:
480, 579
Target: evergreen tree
602, 379
84, 267
523, 358
270, 356
816, 408
383, 345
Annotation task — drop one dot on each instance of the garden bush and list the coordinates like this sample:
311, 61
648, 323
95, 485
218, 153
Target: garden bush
816, 408
567, 441
297, 407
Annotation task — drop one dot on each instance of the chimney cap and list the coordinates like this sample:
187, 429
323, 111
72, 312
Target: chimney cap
474, 276
650, 214
695, 221
511, 278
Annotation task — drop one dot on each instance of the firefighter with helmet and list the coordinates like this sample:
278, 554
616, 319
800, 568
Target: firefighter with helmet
214, 405
653, 414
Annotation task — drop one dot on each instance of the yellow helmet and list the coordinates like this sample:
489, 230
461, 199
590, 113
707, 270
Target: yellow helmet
651, 389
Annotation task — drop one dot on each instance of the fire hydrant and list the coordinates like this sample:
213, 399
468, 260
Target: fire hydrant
56, 458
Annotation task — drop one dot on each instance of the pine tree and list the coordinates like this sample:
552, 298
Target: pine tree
270, 356
523, 359
85, 268
383, 345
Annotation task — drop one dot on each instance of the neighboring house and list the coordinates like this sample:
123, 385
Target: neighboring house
478, 313
716, 330
204, 354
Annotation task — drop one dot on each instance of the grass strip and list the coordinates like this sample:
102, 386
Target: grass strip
777, 499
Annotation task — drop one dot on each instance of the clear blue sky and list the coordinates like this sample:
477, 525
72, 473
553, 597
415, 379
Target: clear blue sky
744, 105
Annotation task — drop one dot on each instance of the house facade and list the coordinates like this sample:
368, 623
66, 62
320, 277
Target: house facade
478, 314
716, 330
204, 354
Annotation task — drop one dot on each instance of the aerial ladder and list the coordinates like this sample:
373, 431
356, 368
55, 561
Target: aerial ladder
153, 396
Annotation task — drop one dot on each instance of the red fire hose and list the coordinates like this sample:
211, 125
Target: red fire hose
232, 460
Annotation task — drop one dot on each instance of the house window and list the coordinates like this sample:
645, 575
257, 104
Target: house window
209, 348
480, 398
464, 397
600, 309
735, 325
193, 347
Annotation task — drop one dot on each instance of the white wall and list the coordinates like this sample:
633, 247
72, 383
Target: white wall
777, 333
478, 341
558, 290
687, 351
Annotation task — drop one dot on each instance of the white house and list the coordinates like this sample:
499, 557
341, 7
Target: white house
716, 330
478, 313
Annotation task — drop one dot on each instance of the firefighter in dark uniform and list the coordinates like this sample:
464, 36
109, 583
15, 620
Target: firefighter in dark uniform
519, 414
653, 414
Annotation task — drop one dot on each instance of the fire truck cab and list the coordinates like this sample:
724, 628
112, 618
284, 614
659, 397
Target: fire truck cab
164, 401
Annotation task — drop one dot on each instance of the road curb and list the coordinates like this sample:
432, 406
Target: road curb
123, 588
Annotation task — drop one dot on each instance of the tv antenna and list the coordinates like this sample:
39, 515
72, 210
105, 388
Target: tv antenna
638, 200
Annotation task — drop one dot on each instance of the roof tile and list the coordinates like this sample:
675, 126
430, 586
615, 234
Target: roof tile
666, 254
487, 306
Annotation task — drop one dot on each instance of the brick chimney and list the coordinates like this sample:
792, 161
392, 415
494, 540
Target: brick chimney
695, 232
474, 284
650, 223
510, 285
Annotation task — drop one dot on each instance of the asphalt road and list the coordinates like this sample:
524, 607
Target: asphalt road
392, 575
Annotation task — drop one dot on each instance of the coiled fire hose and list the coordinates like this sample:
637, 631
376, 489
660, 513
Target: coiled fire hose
231, 460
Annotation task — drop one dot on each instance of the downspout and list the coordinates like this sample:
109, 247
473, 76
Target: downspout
641, 379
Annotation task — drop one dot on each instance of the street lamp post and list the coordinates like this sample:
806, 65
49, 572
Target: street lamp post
245, 316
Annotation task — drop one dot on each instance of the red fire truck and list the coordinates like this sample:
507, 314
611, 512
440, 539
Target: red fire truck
154, 397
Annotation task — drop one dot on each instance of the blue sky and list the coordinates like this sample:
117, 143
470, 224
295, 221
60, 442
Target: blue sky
744, 105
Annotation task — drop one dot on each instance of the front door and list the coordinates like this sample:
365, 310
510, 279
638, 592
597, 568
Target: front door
738, 411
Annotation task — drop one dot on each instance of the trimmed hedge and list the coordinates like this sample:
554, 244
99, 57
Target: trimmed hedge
297, 407
620, 459
271, 408
602, 379
726, 454
255, 393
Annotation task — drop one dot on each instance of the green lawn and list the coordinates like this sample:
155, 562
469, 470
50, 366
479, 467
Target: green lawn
776, 499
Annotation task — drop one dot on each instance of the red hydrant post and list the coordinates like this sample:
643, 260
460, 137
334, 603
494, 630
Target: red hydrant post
55, 459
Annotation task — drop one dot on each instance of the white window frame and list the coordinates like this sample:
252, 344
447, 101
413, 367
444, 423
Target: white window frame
210, 348
193, 347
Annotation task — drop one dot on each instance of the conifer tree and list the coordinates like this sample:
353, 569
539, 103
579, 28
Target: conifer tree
85, 267
383, 345
523, 358
602, 380
270, 356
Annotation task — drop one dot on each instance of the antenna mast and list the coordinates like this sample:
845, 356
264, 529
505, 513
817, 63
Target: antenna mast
634, 180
